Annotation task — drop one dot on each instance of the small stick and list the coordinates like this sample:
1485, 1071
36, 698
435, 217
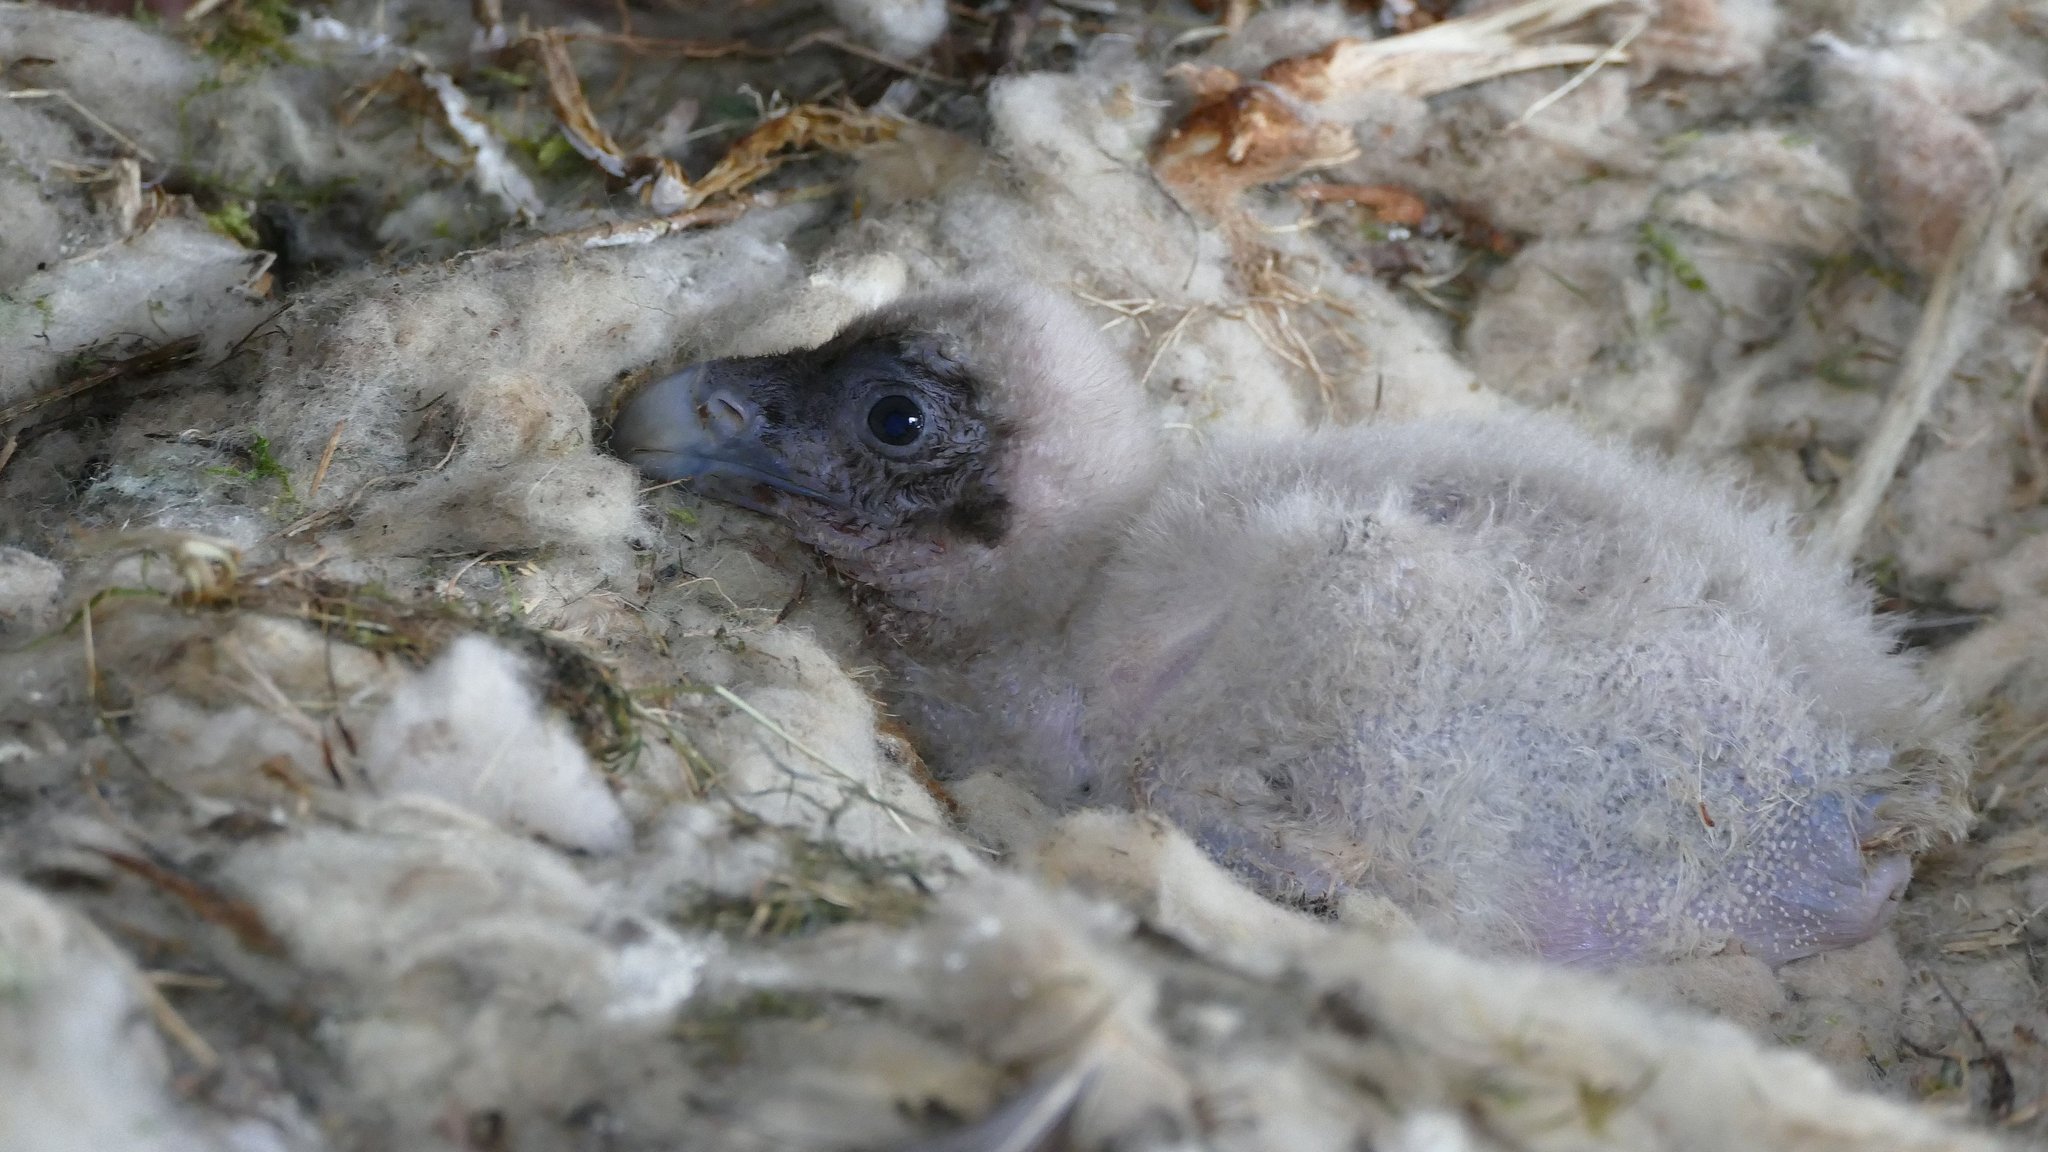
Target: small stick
2030, 437
1999, 1097
448, 589
687, 49
326, 458
833, 40
67, 98
1931, 357
92, 663
174, 1025
1614, 53
161, 359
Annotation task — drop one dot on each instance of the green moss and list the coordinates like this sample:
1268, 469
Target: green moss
1678, 143
259, 463
1583, 296
731, 106
550, 154
248, 33
502, 76
1660, 249
233, 221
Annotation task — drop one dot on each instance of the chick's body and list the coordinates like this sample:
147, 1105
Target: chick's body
1545, 693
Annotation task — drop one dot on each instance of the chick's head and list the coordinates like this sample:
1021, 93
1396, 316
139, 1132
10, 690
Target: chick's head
934, 441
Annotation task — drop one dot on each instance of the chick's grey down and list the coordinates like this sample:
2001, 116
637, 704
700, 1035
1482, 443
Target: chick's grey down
1539, 690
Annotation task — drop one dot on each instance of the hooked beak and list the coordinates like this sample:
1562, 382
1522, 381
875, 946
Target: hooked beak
692, 427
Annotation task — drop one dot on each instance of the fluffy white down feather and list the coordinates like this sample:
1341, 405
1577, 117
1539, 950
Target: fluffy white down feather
470, 731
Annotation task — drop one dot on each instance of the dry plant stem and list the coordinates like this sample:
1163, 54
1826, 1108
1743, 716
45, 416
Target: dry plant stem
1027, 1122
762, 718
1930, 358
239, 918
326, 459
1966, 294
833, 40
724, 212
1718, 426
2029, 493
174, 1026
684, 49
59, 94
1613, 55
572, 109
162, 359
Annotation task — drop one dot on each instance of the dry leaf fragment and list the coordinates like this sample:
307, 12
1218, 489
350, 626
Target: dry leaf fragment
1391, 204
491, 166
1246, 132
660, 181
211, 906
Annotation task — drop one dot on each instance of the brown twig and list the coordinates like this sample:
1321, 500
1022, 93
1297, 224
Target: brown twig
161, 359
685, 49
237, 917
2000, 1094
326, 458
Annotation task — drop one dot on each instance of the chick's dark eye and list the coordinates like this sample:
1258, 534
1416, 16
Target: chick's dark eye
896, 421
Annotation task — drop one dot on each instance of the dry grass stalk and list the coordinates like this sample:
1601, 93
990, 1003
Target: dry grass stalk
665, 46
238, 917
1976, 275
91, 117
164, 358
326, 460
173, 1025
1277, 298
655, 227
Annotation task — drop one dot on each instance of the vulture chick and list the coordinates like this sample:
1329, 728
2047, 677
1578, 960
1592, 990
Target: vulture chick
1543, 692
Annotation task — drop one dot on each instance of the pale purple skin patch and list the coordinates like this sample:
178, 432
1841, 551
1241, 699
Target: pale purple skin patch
1808, 890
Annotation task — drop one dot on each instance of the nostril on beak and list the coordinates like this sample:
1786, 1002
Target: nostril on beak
727, 414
